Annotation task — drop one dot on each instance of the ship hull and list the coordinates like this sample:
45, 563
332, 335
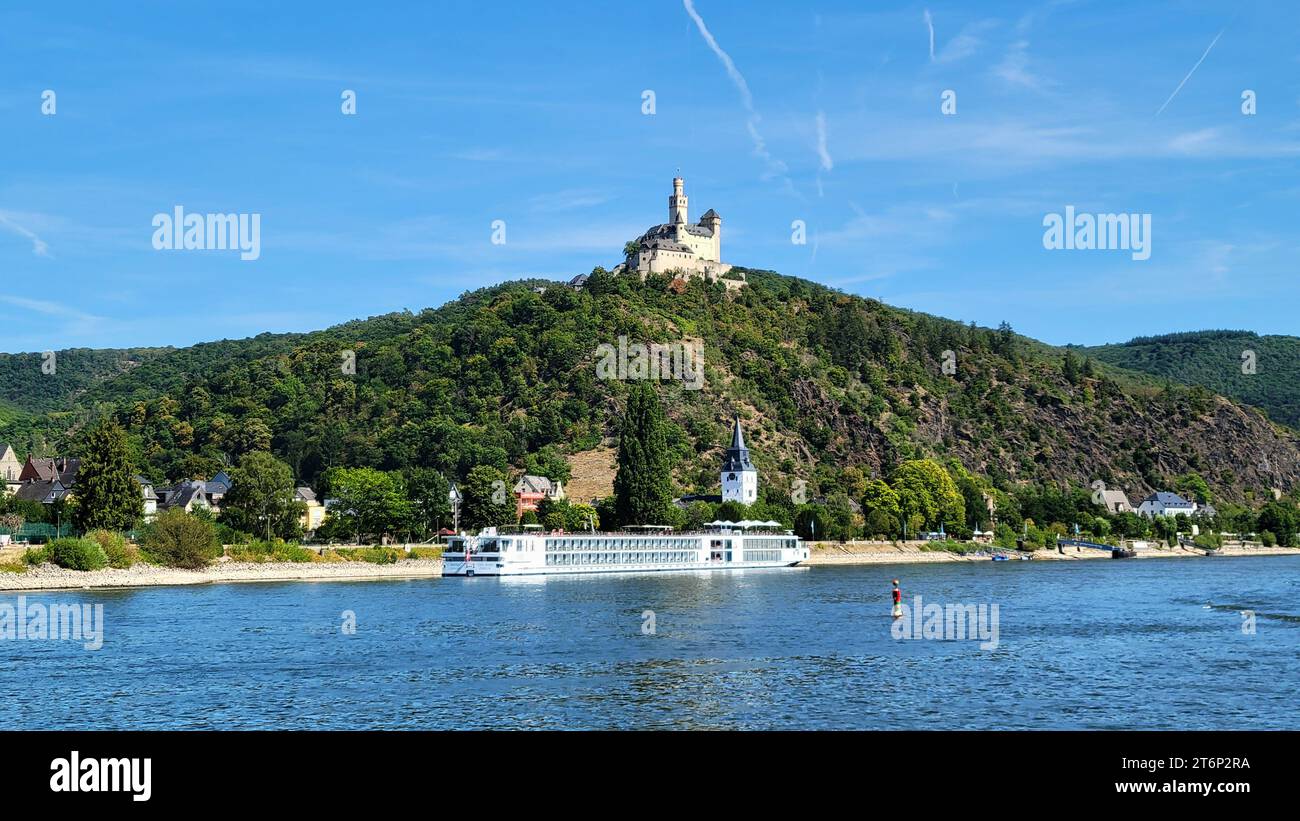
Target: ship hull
458, 567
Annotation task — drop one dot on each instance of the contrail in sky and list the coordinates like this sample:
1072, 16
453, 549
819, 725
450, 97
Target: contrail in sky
727, 63
929, 23
1190, 73
775, 166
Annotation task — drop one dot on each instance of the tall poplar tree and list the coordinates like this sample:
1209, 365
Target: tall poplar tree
643, 488
107, 494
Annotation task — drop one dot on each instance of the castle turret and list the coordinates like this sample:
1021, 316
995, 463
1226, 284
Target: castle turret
739, 478
677, 204
713, 222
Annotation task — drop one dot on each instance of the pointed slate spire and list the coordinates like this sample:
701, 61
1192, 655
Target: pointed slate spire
737, 457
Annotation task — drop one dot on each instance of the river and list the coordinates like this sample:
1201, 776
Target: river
1100, 644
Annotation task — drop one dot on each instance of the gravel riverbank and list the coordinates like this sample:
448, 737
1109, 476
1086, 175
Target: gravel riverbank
830, 553
51, 577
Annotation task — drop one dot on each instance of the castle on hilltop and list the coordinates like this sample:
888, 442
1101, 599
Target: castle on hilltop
681, 249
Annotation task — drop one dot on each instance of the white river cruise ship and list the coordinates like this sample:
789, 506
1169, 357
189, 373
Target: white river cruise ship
529, 552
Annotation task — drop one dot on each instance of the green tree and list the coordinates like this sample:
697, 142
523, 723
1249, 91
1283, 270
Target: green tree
698, 514
108, 496
1070, 367
840, 522
972, 494
643, 483
369, 502
253, 435
880, 510
261, 498
582, 517
1281, 519
1194, 487
927, 496
548, 462
731, 511
487, 500
430, 508
810, 522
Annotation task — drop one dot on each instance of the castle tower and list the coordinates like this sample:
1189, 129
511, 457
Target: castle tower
677, 204
713, 222
739, 478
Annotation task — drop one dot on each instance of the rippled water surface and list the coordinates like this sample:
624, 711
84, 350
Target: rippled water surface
1101, 644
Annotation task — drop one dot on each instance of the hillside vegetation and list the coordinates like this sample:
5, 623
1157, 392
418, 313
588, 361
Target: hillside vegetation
832, 388
34, 382
1214, 359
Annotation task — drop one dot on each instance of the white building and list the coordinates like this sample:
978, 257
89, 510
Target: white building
150, 498
739, 478
1164, 503
680, 248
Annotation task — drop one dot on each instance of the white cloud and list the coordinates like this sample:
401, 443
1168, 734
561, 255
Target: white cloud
967, 42
39, 247
822, 153
569, 200
1014, 68
929, 24
1193, 142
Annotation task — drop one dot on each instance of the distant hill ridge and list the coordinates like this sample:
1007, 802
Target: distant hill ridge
1260, 370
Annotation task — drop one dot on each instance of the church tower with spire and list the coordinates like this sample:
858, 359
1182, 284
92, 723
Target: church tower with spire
739, 478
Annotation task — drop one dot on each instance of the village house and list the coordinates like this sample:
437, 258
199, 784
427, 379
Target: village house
47, 469
216, 489
1116, 501
46, 479
187, 496
195, 493
150, 498
314, 515
1164, 503
531, 490
10, 468
47, 493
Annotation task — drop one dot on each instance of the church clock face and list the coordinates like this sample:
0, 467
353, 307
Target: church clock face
731, 477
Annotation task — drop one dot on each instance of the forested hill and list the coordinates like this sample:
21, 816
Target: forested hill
832, 388
1215, 359
35, 382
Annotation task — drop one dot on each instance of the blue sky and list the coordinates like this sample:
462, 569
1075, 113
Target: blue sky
826, 112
